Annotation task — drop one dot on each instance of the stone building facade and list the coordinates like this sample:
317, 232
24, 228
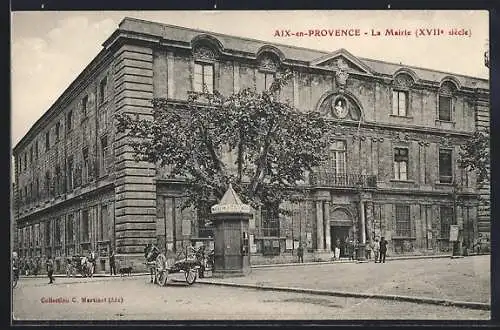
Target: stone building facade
392, 169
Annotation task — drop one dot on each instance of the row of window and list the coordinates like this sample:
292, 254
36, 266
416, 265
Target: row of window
400, 105
337, 162
404, 225
52, 230
22, 162
74, 176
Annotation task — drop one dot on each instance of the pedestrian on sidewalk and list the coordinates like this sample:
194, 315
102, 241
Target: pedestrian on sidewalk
376, 249
112, 265
300, 253
383, 249
337, 249
50, 269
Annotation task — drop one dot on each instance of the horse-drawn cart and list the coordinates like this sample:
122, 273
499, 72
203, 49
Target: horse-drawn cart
79, 264
189, 264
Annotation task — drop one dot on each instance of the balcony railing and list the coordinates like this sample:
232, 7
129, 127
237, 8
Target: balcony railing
330, 179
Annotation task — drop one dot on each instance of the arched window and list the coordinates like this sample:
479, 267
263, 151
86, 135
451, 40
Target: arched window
203, 80
446, 101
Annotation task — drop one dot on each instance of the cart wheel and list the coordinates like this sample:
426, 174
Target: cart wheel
162, 278
190, 275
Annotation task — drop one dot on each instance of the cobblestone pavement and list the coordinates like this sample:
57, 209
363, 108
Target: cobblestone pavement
463, 279
137, 299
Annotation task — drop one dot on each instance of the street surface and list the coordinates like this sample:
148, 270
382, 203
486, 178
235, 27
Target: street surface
464, 279
134, 298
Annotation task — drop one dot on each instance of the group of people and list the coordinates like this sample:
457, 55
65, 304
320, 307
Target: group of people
30, 266
350, 248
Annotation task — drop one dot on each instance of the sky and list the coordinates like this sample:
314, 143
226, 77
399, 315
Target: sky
50, 49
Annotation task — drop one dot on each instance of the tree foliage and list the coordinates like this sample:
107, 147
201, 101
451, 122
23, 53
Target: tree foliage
475, 155
271, 144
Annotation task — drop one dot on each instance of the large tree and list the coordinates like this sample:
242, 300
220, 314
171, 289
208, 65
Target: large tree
272, 145
475, 155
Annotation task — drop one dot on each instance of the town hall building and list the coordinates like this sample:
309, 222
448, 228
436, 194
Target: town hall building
392, 168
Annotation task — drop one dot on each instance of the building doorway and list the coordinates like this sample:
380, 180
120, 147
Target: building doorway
338, 236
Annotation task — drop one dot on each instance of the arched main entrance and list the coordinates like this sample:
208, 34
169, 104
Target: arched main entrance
341, 229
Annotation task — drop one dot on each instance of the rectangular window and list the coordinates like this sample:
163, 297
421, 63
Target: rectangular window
103, 225
47, 140
401, 164
58, 185
403, 225
204, 78
32, 192
25, 161
104, 155
268, 80
85, 169
58, 129
445, 166
31, 156
102, 90
36, 150
446, 218
270, 222
69, 121
337, 160
47, 184
85, 226
37, 188
444, 108
48, 228
70, 173
399, 103
69, 229
85, 101
57, 232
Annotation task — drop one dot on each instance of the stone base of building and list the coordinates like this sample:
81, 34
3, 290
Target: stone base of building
136, 261
231, 273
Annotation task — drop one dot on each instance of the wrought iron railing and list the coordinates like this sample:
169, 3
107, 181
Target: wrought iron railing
331, 179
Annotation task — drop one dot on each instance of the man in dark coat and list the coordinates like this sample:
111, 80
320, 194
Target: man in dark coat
300, 253
50, 269
383, 250
112, 265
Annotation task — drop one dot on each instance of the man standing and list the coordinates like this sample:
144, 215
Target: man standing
383, 249
300, 253
376, 249
112, 266
50, 269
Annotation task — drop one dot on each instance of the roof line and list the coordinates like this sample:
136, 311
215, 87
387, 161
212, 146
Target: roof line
325, 53
227, 35
426, 69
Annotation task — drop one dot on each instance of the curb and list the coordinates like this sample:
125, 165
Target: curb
347, 261
422, 300
79, 276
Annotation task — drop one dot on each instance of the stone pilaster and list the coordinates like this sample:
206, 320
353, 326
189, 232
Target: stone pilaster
319, 226
135, 189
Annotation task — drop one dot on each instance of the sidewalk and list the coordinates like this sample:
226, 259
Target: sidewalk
463, 282
345, 260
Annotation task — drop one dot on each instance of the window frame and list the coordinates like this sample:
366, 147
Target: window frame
440, 176
333, 157
85, 235
396, 107
397, 164
85, 101
103, 86
47, 140
203, 65
69, 122
444, 227
103, 155
406, 231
